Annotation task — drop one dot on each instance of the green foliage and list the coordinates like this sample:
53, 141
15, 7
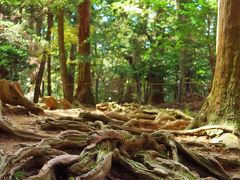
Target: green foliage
13, 33
18, 175
13, 50
149, 32
131, 41
13, 60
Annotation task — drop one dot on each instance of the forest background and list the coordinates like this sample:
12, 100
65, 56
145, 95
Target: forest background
145, 51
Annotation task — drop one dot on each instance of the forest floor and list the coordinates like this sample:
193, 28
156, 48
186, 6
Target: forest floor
217, 144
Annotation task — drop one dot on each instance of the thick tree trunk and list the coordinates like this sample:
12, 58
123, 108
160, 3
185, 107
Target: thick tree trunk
84, 92
156, 81
222, 106
156, 95
66, 84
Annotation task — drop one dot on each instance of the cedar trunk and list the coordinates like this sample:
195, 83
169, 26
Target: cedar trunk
185, 56
49, 32
84, 92
37, 89
43, 61
66, 83
71, 66
157, 95
222, 106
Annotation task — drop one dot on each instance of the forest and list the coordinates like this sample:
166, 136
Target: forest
119, 89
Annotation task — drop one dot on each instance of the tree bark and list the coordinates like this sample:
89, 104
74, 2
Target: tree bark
185, 57
72, 65
210, 48
84, 92
45, 57
49, 32
66, 83
49, 80
39, 79
156, 95
0, 110
222, 106
31, 17
128, 93
37, 89
39, 22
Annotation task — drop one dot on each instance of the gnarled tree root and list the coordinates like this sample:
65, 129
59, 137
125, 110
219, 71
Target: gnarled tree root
110, 154
12, 93
49, 124
7, 128
203, 129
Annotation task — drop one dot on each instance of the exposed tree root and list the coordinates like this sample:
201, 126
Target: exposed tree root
7, 128
98, 116
11, 93
203, 130
205, 166
101, 146
61, 124
177, 124
118, 116
105, 154
8, 164
48, 171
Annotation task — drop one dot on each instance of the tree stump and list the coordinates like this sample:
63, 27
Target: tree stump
12, 93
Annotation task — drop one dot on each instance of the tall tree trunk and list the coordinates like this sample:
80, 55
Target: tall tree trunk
49, 79
71, 68
128, 93
49, 32
39, 79
97, 90
37, 89
157, 94
156, 81
44, 58
211, 54
121, 83
222, 105
31, 19
39, 22
185, 57
66, 83
84, 92
0, 110
210, 48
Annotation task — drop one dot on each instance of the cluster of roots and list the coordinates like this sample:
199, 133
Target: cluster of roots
102, 145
